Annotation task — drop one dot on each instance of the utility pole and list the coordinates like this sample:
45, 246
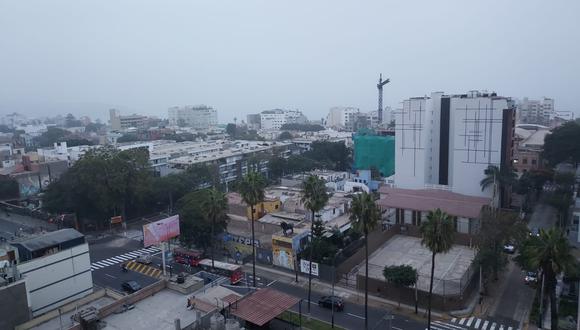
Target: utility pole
380, 88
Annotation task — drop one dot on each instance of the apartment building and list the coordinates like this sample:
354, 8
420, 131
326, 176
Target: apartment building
201, 117
275, 119
536, 111
447, 141
120, 123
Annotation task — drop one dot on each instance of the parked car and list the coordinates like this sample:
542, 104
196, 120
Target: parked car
131, 286
144, 258
534, 232
509, 248
531, 278
328, 301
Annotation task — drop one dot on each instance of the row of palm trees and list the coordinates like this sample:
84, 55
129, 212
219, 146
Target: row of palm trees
365, 215
549, 252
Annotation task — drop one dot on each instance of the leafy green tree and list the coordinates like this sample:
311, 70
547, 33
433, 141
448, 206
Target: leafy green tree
437, 235
551, 253
285, 136
499, 180
365, 216
197, 228
318, 229
103, 183
277, 167
52, 135
402, 276
130, 137
8, 189
252, 191
231, 130
314, 198
331, 155
94, 127
214, 207
562, 144
302, 127
497, 229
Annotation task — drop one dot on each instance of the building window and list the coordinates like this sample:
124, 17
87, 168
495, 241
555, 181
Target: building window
534, 162
524, 161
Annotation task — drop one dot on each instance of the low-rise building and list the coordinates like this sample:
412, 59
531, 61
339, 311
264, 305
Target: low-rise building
56, 268
410, 208
121, 123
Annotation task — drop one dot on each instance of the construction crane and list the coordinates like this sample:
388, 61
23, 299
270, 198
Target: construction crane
380, 88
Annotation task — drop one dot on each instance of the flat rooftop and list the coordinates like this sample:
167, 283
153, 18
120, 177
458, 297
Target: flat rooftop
155, 312
450, 268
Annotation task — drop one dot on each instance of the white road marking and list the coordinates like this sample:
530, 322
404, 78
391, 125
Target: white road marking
493, 326
510, 328
484, 327
448, 326
501, 327
453, 320
354, 315
111, 276
462, 321
477, 323
470, 321
271, 283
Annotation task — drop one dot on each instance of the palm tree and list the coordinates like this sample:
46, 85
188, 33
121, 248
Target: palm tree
214, 207
365, 215
499, 179
549, 252
437, 233
252, 191
314, 198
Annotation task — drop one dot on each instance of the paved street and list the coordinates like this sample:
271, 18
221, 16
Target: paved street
106, 256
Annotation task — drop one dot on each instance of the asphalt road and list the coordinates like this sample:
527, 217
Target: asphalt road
517, 298
352, 317
113, 276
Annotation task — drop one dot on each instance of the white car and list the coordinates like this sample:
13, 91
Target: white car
509, 248
144, 258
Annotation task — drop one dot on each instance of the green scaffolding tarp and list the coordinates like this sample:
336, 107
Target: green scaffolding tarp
375, 150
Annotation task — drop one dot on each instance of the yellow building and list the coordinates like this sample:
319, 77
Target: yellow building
267, 206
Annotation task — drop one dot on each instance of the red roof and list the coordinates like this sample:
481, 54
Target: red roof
263, 305
430, 199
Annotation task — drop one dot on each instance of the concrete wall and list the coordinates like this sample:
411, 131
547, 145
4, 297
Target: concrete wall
57, 279
407, 295
132, 298
13, 305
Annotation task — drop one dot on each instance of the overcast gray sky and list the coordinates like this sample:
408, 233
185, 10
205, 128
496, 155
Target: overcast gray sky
244, 56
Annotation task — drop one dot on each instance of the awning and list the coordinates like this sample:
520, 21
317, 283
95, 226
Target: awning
263, 305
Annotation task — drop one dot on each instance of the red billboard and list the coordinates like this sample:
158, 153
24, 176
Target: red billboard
159, 231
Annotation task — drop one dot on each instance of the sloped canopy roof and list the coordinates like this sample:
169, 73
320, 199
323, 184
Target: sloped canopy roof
263, 305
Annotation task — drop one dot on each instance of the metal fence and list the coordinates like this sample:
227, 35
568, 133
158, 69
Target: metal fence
445, 287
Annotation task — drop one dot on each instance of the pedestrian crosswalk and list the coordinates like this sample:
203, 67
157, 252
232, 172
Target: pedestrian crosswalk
472, 322
144, 269
122, 258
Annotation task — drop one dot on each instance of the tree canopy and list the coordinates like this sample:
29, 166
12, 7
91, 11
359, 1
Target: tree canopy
562, 144
196, 226
331, 155
285, 136
302, 127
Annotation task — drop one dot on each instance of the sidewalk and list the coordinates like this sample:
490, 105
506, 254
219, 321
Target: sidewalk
347, 293
27, 221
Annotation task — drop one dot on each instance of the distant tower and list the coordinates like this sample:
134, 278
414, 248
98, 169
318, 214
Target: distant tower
380, 88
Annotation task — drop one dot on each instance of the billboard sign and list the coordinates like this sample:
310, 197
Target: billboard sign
159, 231
304, 266
117, 219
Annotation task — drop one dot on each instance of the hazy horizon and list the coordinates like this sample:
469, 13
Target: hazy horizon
243, 57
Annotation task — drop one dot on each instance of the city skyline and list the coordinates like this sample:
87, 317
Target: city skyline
242, 58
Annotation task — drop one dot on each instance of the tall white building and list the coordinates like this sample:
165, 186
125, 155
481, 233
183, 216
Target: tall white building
274, 119
341, 117
198, 116
536, 111
447, 141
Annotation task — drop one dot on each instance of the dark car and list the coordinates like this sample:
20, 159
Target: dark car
131, 286
328, 301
